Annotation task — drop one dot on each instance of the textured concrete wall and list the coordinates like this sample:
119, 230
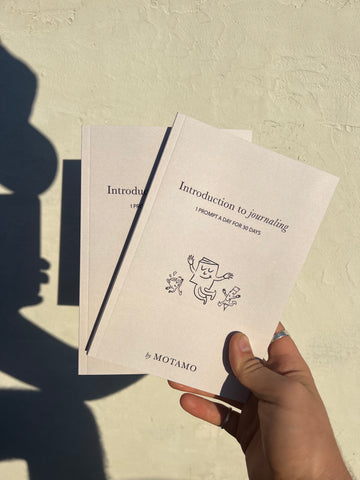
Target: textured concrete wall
287, 69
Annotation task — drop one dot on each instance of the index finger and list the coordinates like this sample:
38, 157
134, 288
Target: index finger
202, 393
185, 388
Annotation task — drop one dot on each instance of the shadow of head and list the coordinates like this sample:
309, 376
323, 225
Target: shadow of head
28, 160
28, 166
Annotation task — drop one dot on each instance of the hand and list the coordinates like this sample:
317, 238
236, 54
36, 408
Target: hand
283, 428
190, 260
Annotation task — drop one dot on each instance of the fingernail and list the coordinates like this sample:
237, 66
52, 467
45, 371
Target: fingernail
243, 344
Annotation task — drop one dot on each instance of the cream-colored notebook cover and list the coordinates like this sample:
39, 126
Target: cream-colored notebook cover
221, 239
116, 164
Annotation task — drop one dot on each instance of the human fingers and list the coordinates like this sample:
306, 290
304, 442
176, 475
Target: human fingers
265, 383
285, 358
185, 388
211, 412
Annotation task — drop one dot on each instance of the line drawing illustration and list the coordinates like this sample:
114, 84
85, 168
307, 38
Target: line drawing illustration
204, 276
174, 283
229, 300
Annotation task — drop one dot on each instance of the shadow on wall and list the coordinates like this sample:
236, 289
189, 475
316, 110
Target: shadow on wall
51, 429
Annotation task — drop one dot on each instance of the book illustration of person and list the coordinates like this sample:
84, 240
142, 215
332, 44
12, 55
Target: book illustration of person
204, 276
229, 300
174, 283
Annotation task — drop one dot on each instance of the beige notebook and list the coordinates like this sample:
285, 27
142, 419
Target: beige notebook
221, 239
116, 164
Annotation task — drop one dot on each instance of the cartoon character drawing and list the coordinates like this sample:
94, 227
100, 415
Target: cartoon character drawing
204, 276
174, 283
229, 300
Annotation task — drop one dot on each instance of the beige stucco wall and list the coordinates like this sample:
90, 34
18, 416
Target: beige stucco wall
287, 69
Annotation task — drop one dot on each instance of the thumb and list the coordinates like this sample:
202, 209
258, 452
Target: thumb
264, 383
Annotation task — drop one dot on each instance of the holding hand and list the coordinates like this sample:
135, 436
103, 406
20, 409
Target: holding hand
283, 428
